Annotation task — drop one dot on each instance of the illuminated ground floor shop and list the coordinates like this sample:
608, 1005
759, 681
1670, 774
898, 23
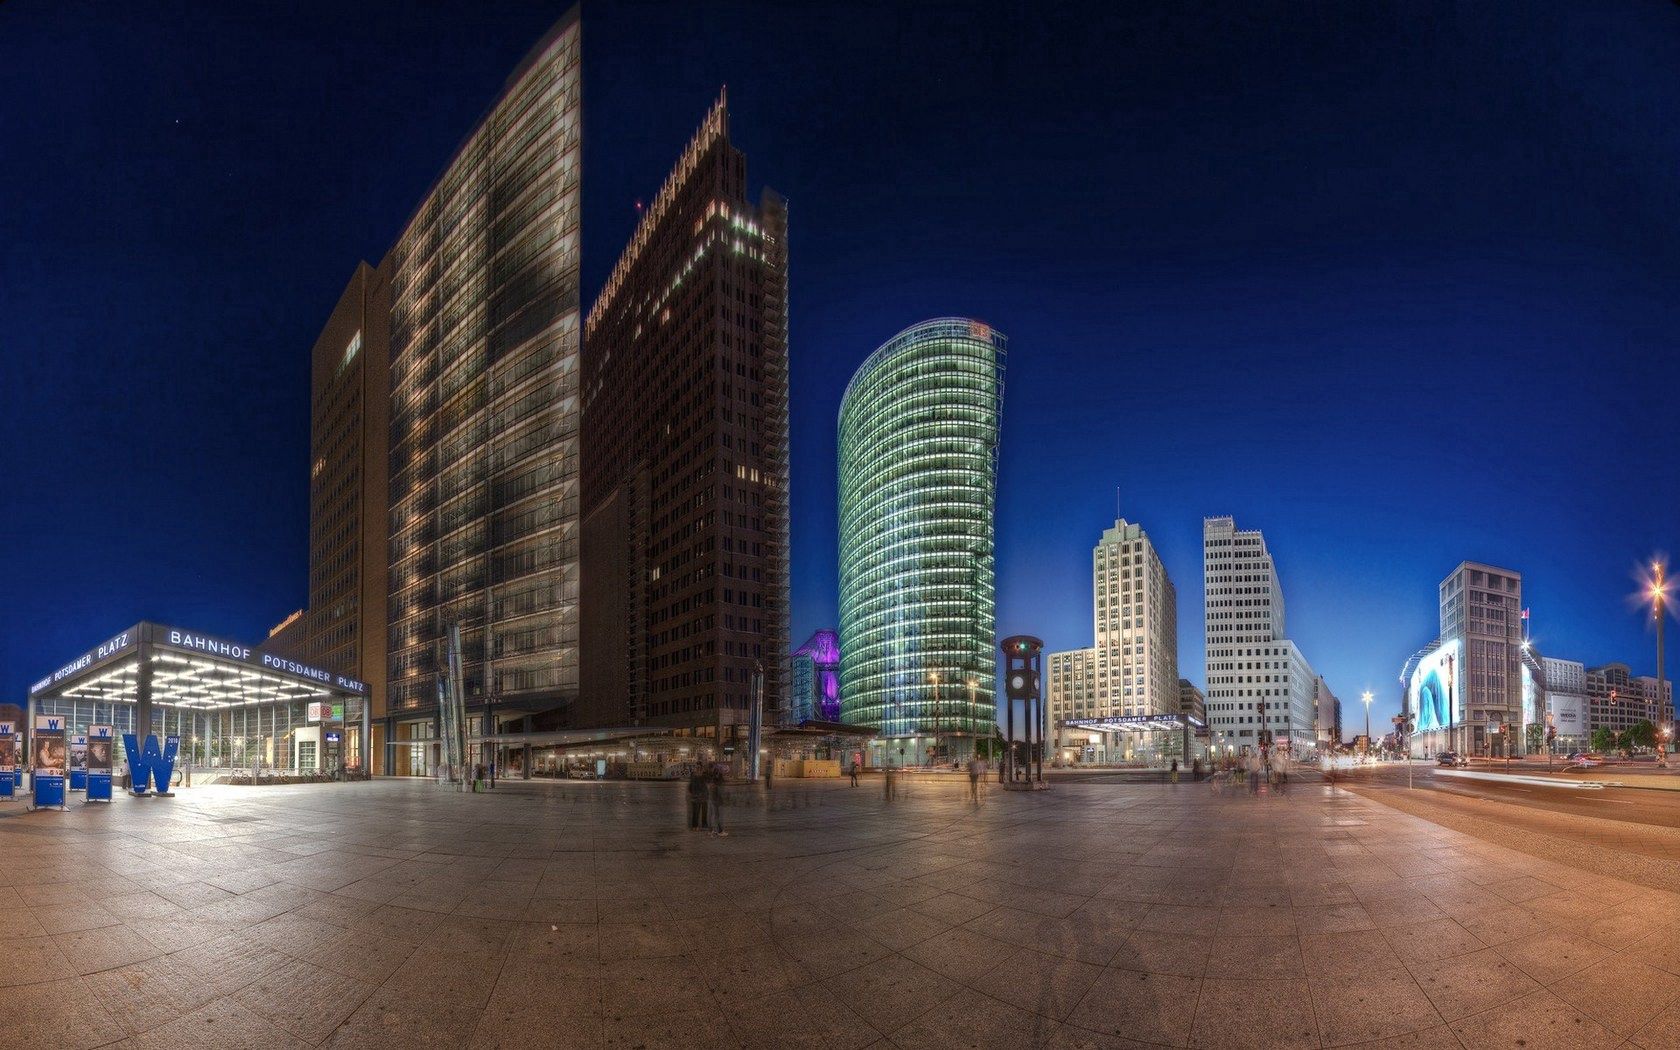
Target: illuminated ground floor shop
1150, 741
230, 706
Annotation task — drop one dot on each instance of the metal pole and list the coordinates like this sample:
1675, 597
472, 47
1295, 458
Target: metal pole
1009, 743
1662, 702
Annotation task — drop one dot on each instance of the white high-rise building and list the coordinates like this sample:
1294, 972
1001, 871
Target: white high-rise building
1133, 667
1256, 677
1135, 612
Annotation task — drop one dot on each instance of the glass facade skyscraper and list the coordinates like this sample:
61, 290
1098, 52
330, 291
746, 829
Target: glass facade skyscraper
484, 371
918, 485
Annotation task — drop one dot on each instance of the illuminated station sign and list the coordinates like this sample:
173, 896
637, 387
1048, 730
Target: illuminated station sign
161, 639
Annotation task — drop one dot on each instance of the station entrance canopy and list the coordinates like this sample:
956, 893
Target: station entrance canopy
188, 669
1154, 740
1136, 723
241, 706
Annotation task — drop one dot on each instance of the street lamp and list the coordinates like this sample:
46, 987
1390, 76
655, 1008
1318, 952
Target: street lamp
974, 731
1368, 696
1659, 608
933, 676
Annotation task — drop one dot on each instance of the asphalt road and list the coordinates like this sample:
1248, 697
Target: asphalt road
1634, 806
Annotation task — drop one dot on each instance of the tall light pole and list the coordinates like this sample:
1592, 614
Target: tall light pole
1659, 608
934, 677
1367, 697
974, 729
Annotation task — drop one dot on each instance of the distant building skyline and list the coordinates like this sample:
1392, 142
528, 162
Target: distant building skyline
1353, 557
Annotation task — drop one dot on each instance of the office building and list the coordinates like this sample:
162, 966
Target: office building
1565, 683
484, 414
1070, 692
1617, 699
1132, 670
685, 459
345, 621
1191, 700
1258, 679
815, 692
1135, 621
918, 442
1481, 617
1329, 728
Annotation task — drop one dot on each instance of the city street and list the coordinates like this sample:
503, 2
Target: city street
1096, 914
1638, 806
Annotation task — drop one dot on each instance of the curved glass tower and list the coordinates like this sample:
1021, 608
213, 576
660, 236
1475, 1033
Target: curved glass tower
918, 486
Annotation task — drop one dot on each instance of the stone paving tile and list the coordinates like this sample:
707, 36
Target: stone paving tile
56, 1015
1363, 1007
1471, 983
1049, 985
1151, 1007
1619, 993
971, 1020
304, 1000
1165, 953
1551, 954
1238, 1014
1540, 1021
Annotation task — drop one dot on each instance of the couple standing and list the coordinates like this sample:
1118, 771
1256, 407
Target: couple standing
705, 801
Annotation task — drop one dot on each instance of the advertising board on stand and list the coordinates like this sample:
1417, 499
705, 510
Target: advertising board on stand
50, 761
101, 739
8, 760
78, 762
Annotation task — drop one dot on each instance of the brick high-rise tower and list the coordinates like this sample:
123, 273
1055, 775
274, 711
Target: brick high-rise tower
684, 457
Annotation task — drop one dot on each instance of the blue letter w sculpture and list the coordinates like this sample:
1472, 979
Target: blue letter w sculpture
147, 765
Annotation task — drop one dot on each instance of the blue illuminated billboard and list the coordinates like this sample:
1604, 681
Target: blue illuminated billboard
1433, 695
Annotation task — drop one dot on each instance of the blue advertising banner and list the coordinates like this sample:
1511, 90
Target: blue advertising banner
50, 759
8, 760
100, 741
150, 767
78, 762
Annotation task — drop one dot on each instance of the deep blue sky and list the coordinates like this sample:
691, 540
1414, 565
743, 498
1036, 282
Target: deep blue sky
1398, 284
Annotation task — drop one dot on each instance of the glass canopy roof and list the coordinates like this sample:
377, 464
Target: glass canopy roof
190, 670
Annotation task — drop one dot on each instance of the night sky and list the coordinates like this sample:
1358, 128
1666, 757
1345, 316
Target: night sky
1398, 284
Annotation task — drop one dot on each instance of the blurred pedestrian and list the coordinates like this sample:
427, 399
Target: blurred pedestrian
714, 800
697, 800
854, 772
1175, 771
974, 779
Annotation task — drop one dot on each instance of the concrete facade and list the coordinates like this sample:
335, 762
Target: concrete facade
1258, 679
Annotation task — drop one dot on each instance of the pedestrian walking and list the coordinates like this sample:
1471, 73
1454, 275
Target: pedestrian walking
1175, 771
890, 782
854, 772
696, 801
714, 800
974, 780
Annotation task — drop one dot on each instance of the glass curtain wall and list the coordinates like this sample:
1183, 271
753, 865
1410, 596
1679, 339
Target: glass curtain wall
918, 446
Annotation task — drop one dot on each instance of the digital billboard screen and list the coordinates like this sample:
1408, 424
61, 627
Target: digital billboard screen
1433, 695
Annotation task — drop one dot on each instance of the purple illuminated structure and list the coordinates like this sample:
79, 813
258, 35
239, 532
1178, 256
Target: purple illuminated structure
816, 679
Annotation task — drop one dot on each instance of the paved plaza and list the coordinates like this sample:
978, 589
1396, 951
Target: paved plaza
399, 914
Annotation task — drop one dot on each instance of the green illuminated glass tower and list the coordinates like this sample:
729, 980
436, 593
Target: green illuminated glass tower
918, 487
